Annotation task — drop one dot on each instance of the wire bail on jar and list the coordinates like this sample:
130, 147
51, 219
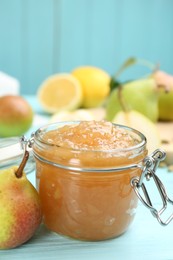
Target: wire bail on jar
151, 163
12, 150
26, 144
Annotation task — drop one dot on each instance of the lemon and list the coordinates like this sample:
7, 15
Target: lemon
60, 92
76, 115
95, 85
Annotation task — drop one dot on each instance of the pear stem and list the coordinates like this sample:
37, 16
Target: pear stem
151, 66
165, 87
19, 171
121, 99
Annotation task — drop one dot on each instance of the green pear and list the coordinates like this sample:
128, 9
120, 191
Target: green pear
165, 100
138, 121
20, 210
140, 95
16, 116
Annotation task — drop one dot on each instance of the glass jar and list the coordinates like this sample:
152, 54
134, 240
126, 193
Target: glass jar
87, 194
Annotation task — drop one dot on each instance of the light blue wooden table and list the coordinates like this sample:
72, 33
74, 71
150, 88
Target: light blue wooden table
145, 239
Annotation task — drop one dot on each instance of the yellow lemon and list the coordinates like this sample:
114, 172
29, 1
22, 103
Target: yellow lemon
95, 85
60, 92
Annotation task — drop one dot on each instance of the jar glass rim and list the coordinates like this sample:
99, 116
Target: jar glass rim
52, 126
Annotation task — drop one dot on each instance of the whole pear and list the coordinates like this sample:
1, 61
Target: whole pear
16, 116
20, 210
165, 99
138, 121
140, 95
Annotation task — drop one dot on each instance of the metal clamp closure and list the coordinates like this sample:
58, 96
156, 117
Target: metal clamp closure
150, 165
26, 144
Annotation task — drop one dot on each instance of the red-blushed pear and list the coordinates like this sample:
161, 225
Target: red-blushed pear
20, 210
16, 116
141, 123
164, 82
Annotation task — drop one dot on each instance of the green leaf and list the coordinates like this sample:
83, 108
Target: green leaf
114, 84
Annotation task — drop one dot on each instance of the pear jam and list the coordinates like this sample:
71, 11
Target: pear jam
83, 172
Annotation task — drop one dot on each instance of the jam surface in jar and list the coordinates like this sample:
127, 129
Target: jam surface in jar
91, 135
83, 178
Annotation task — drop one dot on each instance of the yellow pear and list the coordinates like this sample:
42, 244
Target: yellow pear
20, 208
141, 123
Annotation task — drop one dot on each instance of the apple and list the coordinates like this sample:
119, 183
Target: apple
16, 116
140, 95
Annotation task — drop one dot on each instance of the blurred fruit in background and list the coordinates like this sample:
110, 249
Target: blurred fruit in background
60, 92
140, 95
95, 84
76, 115
138, 121
166, 134
164, 82
156, 88
140, 103
16, 116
